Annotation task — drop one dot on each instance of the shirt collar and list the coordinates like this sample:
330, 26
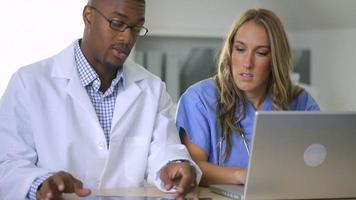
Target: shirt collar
87, 74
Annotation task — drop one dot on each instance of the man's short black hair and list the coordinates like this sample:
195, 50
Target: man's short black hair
141, 1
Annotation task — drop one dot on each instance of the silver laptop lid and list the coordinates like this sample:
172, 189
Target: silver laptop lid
302, 155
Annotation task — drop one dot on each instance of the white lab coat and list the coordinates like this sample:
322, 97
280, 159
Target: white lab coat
48, 123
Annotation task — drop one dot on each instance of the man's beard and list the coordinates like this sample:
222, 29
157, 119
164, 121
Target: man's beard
112, 66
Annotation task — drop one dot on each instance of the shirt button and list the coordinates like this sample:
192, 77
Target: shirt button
101, 145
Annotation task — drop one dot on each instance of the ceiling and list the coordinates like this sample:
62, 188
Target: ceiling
301, 15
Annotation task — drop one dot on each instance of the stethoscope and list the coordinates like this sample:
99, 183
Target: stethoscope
222, 139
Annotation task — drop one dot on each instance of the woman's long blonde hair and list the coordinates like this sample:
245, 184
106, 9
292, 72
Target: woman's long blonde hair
279, 87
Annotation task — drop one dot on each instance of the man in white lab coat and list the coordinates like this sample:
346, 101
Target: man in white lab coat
90, 118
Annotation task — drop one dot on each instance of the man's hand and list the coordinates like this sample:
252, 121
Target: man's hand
182, 177
61, 182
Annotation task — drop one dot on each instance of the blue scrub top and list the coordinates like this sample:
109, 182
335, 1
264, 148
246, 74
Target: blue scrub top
196, 114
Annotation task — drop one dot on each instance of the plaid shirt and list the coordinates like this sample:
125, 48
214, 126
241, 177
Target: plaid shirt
104, 103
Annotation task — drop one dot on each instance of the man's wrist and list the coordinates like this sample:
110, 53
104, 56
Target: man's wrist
32, 194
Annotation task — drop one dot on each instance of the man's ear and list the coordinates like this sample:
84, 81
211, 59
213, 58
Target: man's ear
87, 15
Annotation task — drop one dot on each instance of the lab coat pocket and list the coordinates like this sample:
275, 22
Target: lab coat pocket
136, 151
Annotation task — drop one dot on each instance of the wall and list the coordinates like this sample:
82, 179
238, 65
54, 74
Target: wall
169, 56
333, 66
209, 18
36, 29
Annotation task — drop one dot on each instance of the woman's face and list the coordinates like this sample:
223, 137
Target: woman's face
251, 58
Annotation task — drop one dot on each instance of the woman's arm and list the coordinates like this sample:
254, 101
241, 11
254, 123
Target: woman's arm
212, 174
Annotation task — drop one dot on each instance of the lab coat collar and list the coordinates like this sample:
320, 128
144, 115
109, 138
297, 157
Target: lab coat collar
64, 67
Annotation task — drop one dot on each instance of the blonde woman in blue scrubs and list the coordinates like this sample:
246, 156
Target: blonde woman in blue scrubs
215, 116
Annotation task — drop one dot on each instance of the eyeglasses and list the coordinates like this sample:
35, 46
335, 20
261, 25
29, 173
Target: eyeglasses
121, 26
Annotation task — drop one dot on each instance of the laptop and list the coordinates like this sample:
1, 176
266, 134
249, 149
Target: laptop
299, 155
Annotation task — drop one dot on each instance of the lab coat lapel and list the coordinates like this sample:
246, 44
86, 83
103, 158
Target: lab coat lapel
126, 98
80, 95
124, 102
64, 67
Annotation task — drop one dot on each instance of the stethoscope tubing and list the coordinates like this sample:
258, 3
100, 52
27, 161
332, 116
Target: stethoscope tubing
221, 141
